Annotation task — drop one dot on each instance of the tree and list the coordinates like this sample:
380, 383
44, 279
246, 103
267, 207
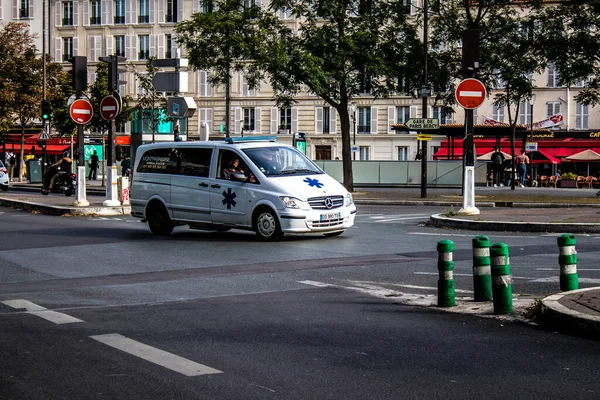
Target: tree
342, 49
509, 50
20, 79
570, 42
151, 107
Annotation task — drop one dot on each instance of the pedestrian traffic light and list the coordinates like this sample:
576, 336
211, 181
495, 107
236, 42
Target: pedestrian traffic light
46, 110
79, 72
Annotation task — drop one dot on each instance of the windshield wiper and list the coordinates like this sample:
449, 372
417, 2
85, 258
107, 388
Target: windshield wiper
293, 171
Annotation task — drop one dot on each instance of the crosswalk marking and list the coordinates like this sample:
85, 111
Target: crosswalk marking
34, 309
154, 355
389, 218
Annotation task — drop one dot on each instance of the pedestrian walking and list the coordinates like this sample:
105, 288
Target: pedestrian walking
522, 161
497, 166
125, 166
11, 162
93, 175
419, 156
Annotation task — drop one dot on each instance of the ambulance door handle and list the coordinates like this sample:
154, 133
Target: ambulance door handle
216, 186
203, 184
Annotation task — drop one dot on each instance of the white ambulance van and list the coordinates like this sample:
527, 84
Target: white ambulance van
251, 183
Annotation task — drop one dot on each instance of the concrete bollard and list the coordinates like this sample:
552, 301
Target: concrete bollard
482, 279
501, 279
446, 296
568, 263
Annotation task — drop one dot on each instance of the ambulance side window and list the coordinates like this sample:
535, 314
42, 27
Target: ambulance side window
195, 161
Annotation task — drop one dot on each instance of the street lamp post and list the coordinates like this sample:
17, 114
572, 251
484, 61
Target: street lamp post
531, 103
353, 113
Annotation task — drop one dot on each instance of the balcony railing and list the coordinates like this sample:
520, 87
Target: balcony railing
143, 55
23, 13
119, 19
143, 19
67, 21
95, 20
171, 17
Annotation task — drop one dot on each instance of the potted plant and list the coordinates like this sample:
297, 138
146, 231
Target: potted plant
568, 180
283, 130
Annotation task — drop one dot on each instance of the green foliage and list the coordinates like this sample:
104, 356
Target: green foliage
569, 176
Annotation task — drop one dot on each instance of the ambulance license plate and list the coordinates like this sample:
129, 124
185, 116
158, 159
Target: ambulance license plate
325, 217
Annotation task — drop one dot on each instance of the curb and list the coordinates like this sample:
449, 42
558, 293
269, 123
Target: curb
439, 221
494, 204
566, 320
65, 210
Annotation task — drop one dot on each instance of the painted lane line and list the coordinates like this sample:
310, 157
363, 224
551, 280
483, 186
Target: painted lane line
34, 309
557, 269
470, 275
468, 235
557, 279
155, 356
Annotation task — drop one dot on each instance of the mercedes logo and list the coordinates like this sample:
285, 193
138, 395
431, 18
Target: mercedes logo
328, 203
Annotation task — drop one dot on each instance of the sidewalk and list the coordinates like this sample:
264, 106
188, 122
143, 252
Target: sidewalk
501, 209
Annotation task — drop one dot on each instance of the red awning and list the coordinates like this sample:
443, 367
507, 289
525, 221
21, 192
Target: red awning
51, 149
542, 157
564, 152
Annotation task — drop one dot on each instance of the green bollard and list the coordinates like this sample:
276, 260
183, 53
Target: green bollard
446, 296
482, 280
568, 263
501, 279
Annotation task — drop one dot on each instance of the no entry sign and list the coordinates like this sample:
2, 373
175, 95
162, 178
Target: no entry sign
81, 111
109, 108
470, 93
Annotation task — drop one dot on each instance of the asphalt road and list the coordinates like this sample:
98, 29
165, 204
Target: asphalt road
225, 316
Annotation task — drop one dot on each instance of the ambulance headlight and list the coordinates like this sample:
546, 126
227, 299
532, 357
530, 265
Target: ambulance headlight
348, 200
290, 202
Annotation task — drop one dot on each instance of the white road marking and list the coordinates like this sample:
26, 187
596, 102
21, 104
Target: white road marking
154, 355
557, 279
467, 235
557, 269
470, 275
42, 312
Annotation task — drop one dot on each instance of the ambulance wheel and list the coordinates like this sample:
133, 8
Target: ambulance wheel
158, 221
266, 225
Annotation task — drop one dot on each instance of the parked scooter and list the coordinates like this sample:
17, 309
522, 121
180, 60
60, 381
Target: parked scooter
64, 183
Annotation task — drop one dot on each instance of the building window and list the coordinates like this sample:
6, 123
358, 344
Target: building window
206, 6
67, 13
23, 9
445, 117
498, 113
171, 11
249, 119
144, 13
553, 108
144, 53
285, 119
402, 153
364, 120
119, 11
402, 114
553, 76
582, 116
120, 45
525, 113
168, 46
96, 17
364, 153
67, 48
326, 119
498, 82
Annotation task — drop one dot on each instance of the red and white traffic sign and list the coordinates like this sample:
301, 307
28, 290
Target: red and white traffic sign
81, 111
109, 108
470, 93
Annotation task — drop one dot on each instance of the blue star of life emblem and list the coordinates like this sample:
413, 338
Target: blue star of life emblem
314, 183
229, 197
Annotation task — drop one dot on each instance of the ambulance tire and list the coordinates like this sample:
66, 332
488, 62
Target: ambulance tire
158, 221
266, 225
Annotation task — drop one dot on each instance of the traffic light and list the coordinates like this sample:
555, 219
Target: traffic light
114, 71
46, 110
79, 72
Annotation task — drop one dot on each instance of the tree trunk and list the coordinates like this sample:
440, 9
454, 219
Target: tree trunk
346, 144
22, 159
